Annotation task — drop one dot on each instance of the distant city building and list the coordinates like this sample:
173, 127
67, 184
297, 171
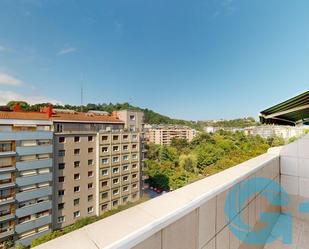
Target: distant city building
164, 134
213, 129
57, 166
265, 131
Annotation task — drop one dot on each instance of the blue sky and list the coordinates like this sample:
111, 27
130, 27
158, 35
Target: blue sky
191, 59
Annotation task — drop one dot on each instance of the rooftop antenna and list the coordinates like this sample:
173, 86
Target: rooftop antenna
82, 94
81, 98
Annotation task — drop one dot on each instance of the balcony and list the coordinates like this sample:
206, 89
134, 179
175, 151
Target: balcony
28, 180
198, 215
28, 240
35, 164
32, 224
5, 232
7, 216
33, 209
33, 150
6, 199
25, 135
7, 153
32, 194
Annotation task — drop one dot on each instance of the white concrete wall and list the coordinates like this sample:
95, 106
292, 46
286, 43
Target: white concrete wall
294, 170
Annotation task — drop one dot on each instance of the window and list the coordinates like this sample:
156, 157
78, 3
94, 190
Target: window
104, 172
115, 170
104, 183
125, 178
125, 137
90, 173
125, 158
60, 192
104, 195
90, 197
61, 179
90, 162
115, 148
125, 189
134, 146
105, 161
76, 151
115, 191
76, 201
76, 214
116, 181
61, 166
61, 140
76, 139
134, 137
76, 176
115, 137
134, 196
125, 199
104, 149
115, 203
115, 159
76, 189
90, 138
61, 153
134, 176
132, 117
125, 167
134, 156
76, 164
134, 185
104, 207
59, 127
125, 147
90, 185
134, 166
104, 138
61, 219
90, 210
60, 206
90, 150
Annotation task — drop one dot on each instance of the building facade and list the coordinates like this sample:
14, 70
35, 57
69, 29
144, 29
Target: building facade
26, 163
57, 166
164, 134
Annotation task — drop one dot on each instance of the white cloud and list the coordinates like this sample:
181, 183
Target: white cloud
67, 51
7, 96
6, 79
5, 49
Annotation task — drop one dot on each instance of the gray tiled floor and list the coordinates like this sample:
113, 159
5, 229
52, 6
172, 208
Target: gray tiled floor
300, 235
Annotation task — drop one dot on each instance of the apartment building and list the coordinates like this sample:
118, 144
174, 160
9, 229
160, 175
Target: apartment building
57, 166
164, 134
26, 160
97, 162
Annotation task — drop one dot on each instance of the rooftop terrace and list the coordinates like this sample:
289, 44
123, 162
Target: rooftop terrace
196, 216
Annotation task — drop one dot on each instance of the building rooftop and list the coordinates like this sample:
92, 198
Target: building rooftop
48, 113
23, 115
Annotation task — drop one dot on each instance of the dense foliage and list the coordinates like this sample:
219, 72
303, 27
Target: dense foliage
171, 167
239, 123
151, 117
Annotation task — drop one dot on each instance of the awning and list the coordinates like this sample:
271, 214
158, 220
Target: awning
290, 112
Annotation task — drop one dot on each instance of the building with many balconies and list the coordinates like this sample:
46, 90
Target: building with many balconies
26, 160
164, 134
